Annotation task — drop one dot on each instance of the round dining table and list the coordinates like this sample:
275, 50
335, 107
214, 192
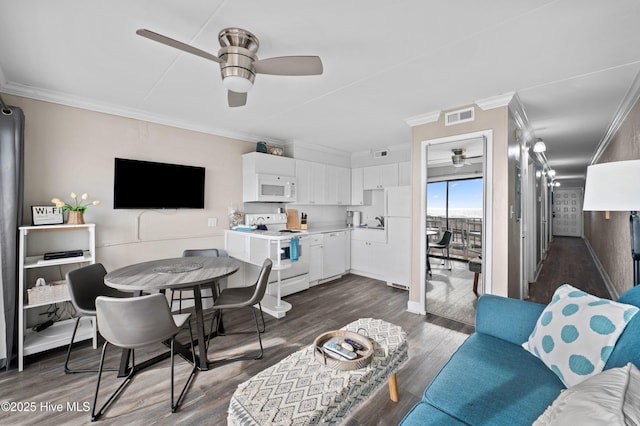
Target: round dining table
182, 273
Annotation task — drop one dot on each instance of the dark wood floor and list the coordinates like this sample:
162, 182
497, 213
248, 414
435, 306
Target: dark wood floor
568, 261
432, 340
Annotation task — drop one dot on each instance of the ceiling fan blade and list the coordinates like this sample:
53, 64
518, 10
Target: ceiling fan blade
289, 65
236, 99
178, 45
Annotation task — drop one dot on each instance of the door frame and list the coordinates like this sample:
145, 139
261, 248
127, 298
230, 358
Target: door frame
487, 212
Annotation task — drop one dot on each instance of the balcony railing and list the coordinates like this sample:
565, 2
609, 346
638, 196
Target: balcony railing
466, 235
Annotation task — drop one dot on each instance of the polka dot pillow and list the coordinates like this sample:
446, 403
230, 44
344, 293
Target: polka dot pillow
576, 333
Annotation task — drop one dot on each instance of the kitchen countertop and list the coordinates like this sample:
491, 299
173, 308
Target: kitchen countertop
320, 228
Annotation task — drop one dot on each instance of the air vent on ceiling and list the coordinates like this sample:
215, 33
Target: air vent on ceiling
381, 154
460, 116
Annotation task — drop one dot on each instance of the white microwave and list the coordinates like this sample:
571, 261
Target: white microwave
268, 188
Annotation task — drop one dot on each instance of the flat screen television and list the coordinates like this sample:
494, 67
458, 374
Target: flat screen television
149, 185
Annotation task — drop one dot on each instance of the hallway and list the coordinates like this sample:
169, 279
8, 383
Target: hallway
568, 261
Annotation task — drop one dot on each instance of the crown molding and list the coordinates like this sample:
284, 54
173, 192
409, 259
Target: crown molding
628, 102
83, 103
495, 101
417, 120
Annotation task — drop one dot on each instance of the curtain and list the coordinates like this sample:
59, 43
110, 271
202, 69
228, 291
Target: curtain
11, 196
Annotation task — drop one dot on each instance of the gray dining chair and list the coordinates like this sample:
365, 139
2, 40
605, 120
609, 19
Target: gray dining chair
212, 252
443, 245
85, 284
241, 298
133, 323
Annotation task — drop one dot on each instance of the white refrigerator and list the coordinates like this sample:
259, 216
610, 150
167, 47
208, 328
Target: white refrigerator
397, 220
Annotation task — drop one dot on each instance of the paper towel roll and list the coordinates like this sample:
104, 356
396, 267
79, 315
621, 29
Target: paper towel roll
356, 219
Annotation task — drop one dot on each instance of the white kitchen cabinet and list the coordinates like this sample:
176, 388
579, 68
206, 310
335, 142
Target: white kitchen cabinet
357, 187
34, 242
334, 254
380, 177
261, 163
316, 260
311, 178
368, 252
337, 185
404, 173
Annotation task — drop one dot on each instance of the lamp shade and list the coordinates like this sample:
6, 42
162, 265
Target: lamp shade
613, 186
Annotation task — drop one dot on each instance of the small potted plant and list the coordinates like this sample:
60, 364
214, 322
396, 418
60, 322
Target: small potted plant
76, 211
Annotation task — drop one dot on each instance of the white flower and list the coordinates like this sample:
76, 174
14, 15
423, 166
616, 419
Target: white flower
85, 196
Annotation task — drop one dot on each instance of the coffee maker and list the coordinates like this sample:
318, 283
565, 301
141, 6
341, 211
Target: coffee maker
353, 218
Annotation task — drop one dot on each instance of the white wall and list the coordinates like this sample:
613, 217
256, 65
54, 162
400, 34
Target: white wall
70, 149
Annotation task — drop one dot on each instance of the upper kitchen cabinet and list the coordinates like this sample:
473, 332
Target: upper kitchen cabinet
380, 177
311, 179
260, 163
338, 185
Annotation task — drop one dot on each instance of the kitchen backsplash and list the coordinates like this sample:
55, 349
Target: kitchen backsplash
319, 214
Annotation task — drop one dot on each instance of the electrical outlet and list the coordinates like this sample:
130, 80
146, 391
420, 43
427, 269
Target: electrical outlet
212, 221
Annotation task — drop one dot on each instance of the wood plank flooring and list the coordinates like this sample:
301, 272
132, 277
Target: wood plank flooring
432, 340
450, 293
568, 261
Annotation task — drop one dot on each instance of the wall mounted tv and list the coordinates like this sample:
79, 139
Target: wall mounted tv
149, 185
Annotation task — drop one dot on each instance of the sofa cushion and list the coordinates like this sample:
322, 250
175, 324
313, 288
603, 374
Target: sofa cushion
608, 398
491, 381
628, 346
425, 414
577, 332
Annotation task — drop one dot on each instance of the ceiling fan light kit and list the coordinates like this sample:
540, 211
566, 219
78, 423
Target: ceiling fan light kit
458, 158
239, 63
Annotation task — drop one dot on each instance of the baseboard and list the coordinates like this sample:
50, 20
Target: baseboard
416, 308
603, 273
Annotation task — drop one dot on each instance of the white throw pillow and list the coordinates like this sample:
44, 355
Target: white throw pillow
608, 398
576, 333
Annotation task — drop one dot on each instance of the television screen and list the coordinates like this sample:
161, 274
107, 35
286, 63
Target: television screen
148, 185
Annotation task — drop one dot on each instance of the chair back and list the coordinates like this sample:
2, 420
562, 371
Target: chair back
136, 321
213, 252
446, 239
261, 283
87, 283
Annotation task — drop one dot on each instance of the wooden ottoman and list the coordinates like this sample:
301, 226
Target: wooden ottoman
299, 390
475, 266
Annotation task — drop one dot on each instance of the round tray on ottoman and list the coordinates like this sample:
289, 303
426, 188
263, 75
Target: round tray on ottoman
363, 356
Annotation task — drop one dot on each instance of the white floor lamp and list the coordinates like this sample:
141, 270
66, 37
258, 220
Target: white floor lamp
616, 187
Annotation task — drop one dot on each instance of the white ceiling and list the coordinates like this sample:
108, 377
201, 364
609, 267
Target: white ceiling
572, 64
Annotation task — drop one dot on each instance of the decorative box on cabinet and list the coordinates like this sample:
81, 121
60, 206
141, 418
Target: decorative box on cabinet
34, 242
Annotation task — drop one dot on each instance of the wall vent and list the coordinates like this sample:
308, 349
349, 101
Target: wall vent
381, 154
460, 116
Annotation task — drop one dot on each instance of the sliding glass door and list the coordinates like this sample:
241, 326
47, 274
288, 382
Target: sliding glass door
456, 205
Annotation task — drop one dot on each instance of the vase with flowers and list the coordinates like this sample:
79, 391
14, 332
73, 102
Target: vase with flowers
77, 207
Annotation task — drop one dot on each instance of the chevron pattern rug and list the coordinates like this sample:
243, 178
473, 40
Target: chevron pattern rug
300, 391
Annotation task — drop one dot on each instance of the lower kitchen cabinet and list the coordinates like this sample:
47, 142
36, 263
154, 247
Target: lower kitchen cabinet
316, 260
368, 258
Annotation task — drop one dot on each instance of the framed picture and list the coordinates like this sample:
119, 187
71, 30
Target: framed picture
47, 215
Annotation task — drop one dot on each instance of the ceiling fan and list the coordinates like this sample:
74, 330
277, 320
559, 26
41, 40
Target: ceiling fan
239, 63
459, 159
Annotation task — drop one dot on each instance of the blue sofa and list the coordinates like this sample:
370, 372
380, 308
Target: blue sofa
491, 379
